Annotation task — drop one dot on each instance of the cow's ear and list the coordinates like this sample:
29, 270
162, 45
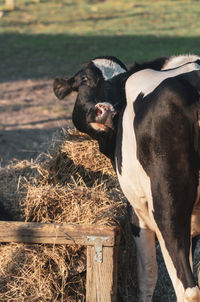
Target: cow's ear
62, 87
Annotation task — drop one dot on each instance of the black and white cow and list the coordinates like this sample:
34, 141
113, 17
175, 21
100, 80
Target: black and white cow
102, 80
156, 153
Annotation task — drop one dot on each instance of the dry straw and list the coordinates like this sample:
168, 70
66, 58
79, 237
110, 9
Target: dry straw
72, 183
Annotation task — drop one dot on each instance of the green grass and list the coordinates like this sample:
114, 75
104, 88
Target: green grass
55, 37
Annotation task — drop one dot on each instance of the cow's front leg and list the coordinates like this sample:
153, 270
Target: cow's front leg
146, 258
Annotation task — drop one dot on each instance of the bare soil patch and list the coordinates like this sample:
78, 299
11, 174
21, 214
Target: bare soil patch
29, 115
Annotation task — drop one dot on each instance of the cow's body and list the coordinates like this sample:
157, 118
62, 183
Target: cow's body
157, 163
157, 166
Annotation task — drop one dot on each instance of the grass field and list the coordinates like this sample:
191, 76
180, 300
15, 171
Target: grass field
47, 38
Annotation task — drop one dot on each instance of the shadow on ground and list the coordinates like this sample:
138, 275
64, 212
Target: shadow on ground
24, 144
26, 56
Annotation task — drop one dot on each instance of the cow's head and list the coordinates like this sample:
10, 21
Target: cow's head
95, 110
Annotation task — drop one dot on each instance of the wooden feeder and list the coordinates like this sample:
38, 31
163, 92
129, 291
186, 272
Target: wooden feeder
102, 247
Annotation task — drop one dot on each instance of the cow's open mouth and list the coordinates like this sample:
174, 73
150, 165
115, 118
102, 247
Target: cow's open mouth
99, 111
102, 115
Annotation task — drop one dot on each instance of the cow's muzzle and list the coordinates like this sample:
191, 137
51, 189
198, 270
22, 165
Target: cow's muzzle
101, 116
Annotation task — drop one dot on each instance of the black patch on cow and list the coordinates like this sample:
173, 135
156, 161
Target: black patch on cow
164, 127
118, 148
192, 77
114, 90
133, 220
156, 64
106, 143
89, 91
197, 62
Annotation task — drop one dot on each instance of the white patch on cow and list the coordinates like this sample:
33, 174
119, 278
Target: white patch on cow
146, 264
152, 78
192, 294
133, 180
177, 61
108, 68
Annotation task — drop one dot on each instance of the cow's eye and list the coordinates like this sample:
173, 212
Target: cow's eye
84, 79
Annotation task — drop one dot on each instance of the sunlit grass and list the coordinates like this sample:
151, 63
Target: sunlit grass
49, 37
108, 18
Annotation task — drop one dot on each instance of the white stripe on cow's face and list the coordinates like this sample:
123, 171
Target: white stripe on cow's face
177, 61
108, 68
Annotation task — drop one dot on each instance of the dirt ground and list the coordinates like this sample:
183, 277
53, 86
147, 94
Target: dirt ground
29, 115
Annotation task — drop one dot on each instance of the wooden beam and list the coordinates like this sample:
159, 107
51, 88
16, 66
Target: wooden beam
52, 233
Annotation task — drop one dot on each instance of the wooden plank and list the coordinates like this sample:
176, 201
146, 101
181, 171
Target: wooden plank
52, 233
101, 280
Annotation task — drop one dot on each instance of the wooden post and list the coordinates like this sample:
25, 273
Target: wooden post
101, 279
10, 4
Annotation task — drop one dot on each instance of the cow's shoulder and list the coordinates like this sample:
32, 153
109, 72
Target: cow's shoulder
139, 82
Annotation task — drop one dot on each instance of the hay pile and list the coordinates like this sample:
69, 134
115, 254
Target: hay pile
72, 183
76, 184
